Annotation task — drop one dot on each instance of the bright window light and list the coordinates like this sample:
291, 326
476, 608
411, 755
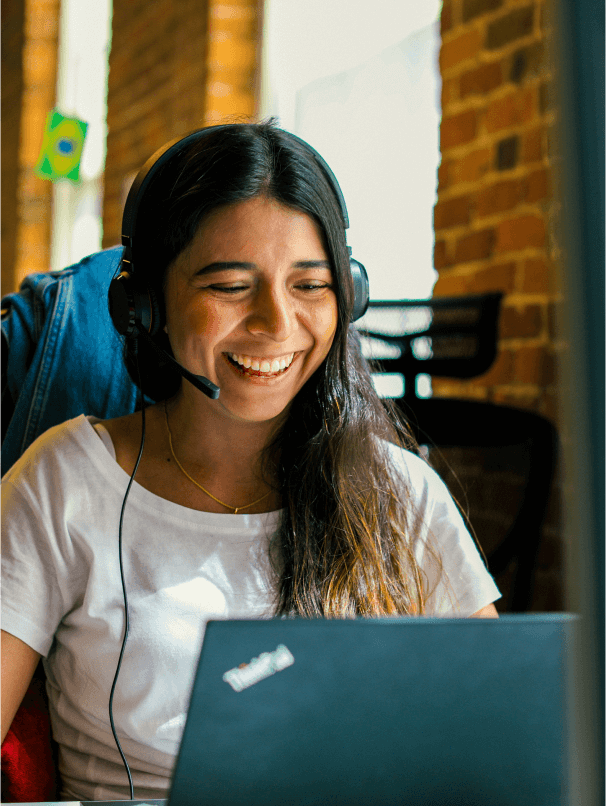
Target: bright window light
360, 81
84, 43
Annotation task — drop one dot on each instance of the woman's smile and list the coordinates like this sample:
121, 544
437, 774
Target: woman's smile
259, 366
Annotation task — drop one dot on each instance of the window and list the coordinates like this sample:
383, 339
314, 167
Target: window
360, 81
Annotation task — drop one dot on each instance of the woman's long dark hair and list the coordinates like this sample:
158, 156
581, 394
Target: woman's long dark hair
345, 545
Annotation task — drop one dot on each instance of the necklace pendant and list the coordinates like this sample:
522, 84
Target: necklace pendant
236, 510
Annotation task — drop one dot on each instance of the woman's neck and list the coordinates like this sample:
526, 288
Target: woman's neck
205, 435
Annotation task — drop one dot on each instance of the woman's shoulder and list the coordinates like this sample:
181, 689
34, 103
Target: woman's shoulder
64, 448
410, 463
125, 429
125, 433
426, 489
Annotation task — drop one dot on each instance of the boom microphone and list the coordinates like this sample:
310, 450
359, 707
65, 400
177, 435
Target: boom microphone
199, 381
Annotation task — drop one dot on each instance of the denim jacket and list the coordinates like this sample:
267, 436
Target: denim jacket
62, 355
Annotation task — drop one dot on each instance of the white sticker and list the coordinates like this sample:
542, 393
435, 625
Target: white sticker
265, 665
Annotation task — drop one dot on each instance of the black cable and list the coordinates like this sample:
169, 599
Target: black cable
126, 619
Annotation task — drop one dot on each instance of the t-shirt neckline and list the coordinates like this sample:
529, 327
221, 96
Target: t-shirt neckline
83, 429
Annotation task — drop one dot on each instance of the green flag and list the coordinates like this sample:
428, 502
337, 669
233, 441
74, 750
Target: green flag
61, 148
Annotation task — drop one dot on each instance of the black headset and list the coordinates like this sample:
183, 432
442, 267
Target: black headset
134, 307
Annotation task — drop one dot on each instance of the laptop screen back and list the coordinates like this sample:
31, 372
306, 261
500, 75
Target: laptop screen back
383, 711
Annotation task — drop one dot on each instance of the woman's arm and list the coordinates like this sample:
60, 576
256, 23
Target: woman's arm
19, 663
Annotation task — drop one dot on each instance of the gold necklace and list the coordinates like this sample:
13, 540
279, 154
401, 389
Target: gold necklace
235, 510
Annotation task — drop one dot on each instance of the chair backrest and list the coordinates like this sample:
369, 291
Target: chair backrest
29, 754
453, 337
498, 463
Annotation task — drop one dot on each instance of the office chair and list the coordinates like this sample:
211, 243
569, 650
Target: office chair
498, 461
29, 764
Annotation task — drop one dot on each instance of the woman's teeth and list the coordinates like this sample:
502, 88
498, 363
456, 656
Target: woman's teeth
262, 364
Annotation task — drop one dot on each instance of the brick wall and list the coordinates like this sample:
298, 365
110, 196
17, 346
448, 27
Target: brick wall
173, 67
492, 214
29, 77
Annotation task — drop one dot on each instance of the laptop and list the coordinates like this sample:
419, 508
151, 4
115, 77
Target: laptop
414, 711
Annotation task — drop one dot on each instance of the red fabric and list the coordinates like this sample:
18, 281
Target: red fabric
28, 764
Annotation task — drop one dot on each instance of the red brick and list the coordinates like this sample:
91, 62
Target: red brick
526, 62
39, 60
481, 80
168, 46
506, 153
29, 61
458, 50
450, 92
441, 258
448, 285
552, 142
501, 371
40, 24
446, 17
535, 365
473, 166
451, 213
512, 110
519, 233
514, 25
444, 174
493, 278
536, 186
545, 98
458, 129
524, 322
556, 320
498, 197
475, 246
532, 145
475, 8
535, 276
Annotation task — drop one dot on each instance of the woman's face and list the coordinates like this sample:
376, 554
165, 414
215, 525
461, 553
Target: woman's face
250, 305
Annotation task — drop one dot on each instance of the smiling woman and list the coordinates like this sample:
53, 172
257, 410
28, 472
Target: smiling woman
250, 304
295, 492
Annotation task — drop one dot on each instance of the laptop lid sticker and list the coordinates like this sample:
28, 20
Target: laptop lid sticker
268, 663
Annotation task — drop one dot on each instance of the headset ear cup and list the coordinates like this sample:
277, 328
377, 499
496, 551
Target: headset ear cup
361, 289
132, 304
156, 308
122, 305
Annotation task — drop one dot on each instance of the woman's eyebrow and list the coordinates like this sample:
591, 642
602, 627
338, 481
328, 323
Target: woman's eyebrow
235, 264
312, 264
224, 266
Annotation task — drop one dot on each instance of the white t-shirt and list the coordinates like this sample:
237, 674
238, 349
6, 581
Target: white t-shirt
62, 595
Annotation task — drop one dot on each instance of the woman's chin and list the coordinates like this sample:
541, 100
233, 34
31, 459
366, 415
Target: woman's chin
254, 414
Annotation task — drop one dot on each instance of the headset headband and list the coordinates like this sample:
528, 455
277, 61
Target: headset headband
163, 155
132, 304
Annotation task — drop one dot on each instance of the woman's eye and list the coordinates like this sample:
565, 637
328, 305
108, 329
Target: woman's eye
313, 286
228, 289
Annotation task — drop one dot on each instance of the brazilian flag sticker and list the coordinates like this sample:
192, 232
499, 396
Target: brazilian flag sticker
61, 148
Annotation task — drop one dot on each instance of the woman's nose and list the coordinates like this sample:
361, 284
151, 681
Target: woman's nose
272, 314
